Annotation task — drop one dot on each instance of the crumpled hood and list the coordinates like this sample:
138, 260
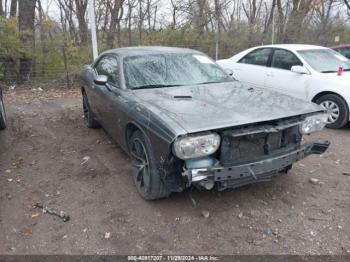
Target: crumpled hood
212, 106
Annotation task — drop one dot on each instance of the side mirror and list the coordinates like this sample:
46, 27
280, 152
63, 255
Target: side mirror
101, 80
229, 71
300, 70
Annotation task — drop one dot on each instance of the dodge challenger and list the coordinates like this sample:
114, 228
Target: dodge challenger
184, 121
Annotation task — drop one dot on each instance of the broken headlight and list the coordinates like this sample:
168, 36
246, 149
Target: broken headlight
313, 123
196, 146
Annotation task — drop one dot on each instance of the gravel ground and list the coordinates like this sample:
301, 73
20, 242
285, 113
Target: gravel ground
48, 155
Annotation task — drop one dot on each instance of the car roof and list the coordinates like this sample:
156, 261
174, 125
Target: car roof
295, 47
340, 46
143, 50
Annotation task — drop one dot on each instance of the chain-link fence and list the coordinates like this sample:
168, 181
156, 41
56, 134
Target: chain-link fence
61, 64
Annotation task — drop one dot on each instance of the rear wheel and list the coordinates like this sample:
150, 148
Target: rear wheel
145, 174
2, 113
337, 110
88, 114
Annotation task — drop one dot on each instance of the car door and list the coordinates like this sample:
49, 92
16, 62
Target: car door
102, 67
110, 96
252, 67
279, 76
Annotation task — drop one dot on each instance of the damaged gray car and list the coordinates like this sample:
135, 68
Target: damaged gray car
186, 122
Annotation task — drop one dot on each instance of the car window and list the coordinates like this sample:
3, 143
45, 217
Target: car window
325, 60
108, 66
173, 69
257, 57
345, 52
284, 59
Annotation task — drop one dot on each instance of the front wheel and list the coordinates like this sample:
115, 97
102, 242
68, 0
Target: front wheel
337, 110
88, 114
144, 169
2, 113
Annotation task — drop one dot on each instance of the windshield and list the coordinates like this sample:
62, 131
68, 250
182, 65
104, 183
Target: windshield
325, 60
164, 70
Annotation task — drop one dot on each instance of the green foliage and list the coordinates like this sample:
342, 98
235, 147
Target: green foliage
10, 40
51, 44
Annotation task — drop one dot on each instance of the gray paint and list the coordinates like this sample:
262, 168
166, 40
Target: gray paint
163, 114
211, 106
215, 106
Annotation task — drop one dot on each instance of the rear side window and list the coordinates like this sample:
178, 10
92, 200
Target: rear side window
257, 57
284, 59
108, 66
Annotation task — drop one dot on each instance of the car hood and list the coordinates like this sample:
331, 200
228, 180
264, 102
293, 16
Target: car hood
344, 78
213, 106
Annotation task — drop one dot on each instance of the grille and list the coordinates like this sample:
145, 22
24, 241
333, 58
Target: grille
237, 149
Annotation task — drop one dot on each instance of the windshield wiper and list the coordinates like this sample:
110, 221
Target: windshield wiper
152, 86
332, 71
329, 71
210, 82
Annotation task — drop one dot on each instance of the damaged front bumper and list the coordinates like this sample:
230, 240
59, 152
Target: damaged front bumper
252, 172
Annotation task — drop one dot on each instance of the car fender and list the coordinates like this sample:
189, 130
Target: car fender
153, 127
323, 85
315, 93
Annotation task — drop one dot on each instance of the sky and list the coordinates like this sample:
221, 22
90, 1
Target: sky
51, 7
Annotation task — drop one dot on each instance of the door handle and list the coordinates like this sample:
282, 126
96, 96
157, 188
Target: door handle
269, 74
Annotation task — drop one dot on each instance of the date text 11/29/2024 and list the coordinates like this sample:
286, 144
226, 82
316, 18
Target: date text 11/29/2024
173, 258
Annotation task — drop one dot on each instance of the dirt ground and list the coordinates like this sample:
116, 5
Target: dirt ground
48, 155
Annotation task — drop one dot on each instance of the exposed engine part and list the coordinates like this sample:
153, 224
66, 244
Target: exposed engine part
208, 184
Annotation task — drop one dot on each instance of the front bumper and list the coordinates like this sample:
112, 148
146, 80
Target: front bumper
262, 170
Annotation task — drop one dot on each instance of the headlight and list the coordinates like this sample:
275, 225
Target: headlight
313, 123
196, 146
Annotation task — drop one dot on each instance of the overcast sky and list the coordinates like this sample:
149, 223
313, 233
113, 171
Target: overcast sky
50, 6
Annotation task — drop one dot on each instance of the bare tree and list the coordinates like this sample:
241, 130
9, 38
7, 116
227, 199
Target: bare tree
1, 9
44, 49
117, 11
26, 16
271, 16
67, 9
131, 4
200, 16
347, 3
252, 12
141, 19
13, 8
323, 22
64, 46
300, 10
174, 9
80, 11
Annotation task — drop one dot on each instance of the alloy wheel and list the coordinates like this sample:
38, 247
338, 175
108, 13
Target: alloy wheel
332, 109
141, 164
2, 110
85, 108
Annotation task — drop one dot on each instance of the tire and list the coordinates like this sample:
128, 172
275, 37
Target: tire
337, 108
2, 113
89, 116
144, 168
